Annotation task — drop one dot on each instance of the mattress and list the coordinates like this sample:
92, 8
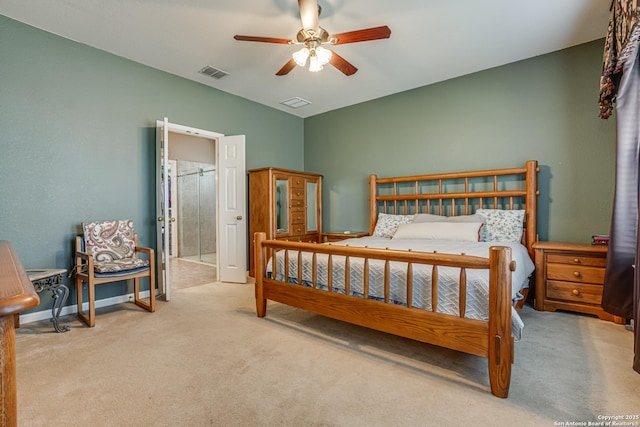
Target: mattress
477, 301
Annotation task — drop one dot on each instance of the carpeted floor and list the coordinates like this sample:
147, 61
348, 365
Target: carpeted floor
205, 359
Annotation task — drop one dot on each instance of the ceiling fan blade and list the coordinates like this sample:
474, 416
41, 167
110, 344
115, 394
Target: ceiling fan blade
309, 14
342, 64
367, 34
286, 68
262, 39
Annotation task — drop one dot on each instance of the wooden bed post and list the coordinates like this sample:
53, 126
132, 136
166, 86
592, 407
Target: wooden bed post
373, 206
500, 339
532, 205
261, 302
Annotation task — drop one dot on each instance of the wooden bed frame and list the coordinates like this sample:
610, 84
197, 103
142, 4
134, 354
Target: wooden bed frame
444, 194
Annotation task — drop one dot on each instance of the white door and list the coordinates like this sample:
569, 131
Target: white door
232, 209
162, 207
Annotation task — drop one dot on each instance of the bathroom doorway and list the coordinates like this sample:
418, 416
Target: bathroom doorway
192, 205
196, 215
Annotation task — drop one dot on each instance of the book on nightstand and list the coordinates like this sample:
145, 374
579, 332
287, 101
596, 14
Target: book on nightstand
600, 239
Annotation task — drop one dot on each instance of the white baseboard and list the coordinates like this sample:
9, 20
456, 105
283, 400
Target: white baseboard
72, 309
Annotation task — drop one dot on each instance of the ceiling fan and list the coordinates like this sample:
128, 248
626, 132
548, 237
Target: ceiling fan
312, 37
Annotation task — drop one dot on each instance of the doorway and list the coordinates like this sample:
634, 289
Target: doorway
227, 155
192, 203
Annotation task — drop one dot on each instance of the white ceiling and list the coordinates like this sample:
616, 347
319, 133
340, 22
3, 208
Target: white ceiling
431, 40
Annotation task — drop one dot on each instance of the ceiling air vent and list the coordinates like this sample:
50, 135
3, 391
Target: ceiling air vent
216, 73
295, 102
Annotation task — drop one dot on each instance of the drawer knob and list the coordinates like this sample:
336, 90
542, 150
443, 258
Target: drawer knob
576, 273
576, 260
575, 292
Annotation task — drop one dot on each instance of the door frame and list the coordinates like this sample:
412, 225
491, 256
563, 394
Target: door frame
161, 251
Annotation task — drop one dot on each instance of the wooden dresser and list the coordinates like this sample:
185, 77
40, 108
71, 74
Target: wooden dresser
569, 276
286, 205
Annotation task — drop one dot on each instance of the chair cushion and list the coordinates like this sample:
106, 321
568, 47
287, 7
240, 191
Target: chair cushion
109, 240
124, 264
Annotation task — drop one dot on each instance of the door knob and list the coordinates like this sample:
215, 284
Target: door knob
160, 218
172, 219
239, 217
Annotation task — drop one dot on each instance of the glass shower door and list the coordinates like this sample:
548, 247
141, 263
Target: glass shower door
197, 215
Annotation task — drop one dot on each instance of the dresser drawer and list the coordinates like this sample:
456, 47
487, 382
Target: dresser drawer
297, 229
575, 273
297, 193
297, 217
572, 291
305, 238
308, 238
297, 181
577, 260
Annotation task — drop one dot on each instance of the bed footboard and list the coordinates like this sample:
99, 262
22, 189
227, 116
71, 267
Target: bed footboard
491, 339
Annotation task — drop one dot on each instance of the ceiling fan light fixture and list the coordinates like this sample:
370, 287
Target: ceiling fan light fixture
324, 55
315, 64
301, 56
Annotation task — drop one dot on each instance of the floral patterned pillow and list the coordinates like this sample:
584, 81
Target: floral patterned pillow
387, 224
501, 225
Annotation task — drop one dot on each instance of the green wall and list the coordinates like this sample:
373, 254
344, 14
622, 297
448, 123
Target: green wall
544, 108
77, 140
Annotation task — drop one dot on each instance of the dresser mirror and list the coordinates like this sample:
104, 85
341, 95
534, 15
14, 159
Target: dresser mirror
282, 205
311, 190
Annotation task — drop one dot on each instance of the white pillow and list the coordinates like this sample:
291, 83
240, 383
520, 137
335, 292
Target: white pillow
387, 224
424, 217
440, 230
501, 225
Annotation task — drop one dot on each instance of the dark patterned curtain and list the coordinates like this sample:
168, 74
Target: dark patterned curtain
620, 85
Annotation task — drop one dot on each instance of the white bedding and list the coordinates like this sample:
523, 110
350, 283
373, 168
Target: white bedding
448, 288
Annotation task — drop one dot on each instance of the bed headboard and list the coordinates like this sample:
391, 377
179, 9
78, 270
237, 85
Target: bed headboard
459, 193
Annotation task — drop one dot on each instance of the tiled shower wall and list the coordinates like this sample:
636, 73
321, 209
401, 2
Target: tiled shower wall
196, 200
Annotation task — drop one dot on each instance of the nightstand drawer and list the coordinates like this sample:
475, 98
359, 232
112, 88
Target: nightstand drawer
577, 260
575, 273
571, 291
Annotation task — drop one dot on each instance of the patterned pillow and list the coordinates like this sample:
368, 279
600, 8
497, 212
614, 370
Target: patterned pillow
387, 224
109, 240
501, 225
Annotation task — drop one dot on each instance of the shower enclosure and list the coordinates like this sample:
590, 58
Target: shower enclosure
196, 199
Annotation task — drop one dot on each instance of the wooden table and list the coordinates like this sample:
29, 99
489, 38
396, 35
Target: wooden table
51, 280
16, 295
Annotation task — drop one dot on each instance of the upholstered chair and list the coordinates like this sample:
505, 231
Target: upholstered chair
108, 252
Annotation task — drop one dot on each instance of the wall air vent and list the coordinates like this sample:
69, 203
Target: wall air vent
216, 73
295, 102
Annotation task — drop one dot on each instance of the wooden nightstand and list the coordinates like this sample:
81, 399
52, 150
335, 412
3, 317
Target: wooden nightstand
569, 276
336, 237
